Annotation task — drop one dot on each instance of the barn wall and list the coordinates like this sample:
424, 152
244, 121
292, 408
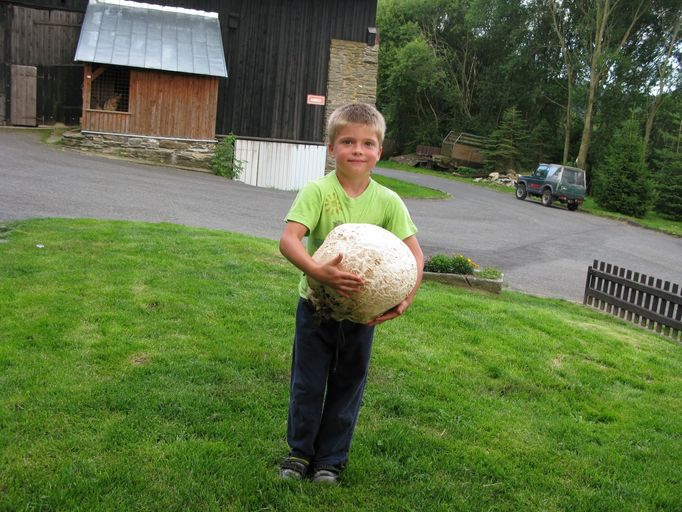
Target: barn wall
160, 104
277, 53
44, 37
46, 40
4, 62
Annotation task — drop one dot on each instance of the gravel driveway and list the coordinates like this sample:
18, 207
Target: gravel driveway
544, 251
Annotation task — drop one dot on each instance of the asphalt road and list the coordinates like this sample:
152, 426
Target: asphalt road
543, 251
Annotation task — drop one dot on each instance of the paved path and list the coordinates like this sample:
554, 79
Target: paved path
545, 251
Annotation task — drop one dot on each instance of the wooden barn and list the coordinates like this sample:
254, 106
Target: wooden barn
291, 62
150, 70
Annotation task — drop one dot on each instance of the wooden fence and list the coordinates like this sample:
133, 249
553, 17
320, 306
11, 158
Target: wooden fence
638, 298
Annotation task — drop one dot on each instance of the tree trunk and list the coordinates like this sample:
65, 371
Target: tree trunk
567, 124
559, 28
602, 12
587, 128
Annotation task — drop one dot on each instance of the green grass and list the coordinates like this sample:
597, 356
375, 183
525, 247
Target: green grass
409, 190
651, 220
146, 367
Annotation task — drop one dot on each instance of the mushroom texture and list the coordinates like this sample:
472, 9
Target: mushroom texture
378, 256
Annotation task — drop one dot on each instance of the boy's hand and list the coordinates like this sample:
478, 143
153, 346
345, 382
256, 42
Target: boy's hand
345, 283
393, 312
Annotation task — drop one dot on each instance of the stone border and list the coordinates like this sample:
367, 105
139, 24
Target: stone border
187, 154
466, 281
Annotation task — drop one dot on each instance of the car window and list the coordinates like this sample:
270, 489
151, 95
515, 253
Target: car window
573, 177
541, 172
554, 174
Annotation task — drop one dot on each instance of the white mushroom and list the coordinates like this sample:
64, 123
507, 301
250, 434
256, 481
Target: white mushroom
378, 256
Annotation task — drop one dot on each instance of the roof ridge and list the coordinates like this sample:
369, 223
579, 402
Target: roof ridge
140, 5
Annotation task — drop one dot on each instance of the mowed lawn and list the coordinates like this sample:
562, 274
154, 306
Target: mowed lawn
146, 367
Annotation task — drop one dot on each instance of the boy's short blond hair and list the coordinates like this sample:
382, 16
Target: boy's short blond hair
356, 113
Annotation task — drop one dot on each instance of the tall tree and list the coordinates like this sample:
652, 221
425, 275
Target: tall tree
608, 26
562, 25
665, 71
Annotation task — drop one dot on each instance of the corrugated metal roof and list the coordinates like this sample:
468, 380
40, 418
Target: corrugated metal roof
151, 36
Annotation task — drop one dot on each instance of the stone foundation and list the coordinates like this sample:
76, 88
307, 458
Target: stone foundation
191, 154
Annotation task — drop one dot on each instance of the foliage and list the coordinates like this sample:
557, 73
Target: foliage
146, 367
572, 69
450, 264
224, 162
621, 182
507, 146
490, 273
669, 180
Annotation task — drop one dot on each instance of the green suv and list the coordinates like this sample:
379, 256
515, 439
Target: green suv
554, 182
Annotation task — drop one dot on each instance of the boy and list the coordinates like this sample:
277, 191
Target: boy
330, 359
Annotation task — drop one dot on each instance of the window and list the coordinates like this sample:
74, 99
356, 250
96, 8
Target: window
109, 88
573, 177
541, 171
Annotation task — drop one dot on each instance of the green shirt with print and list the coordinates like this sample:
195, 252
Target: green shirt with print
323, 204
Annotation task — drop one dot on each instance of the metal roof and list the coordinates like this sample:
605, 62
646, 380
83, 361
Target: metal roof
151, 36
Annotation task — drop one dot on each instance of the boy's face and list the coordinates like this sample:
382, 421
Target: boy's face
356, 150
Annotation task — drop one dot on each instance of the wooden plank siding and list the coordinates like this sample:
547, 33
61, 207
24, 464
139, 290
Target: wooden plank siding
277, 53
44, 37
160, 104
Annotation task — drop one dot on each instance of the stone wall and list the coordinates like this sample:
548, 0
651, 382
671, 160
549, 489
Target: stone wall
182, 153
352, 77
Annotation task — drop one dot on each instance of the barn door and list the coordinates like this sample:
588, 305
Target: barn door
23, 96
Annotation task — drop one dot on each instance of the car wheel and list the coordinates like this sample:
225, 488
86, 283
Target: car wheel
546, 197
572, 206
521, 192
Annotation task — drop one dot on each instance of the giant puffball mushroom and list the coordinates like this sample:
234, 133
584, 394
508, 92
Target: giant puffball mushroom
378, 256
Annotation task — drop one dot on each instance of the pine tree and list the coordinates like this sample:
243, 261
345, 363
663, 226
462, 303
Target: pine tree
669, 176
506, 146
621, 182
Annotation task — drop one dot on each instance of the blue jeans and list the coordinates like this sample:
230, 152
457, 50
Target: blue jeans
328, 372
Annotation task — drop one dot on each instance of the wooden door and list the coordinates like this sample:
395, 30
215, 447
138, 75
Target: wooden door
23, 95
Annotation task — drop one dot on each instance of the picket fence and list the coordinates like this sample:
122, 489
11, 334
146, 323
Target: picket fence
635, 297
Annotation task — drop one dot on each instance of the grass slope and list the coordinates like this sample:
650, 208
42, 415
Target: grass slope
146, 367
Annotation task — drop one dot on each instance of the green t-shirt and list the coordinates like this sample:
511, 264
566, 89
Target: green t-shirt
323, 204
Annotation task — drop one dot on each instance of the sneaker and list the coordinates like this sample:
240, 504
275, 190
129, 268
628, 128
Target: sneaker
326, 474
293, 468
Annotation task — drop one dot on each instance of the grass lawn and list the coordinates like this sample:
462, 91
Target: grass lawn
409, 190
146, 367
651, 220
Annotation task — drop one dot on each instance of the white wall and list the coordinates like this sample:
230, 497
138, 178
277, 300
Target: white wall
279, 165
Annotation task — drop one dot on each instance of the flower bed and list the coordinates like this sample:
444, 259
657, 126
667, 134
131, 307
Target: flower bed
458, 270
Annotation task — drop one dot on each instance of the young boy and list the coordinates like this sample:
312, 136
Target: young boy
330, 359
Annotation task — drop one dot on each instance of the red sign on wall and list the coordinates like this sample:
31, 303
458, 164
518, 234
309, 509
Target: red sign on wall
315, 100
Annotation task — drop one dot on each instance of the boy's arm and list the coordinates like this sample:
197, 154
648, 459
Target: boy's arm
413, 244
291, 246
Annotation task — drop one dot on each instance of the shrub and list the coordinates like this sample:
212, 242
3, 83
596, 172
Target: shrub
224, 163
450, 264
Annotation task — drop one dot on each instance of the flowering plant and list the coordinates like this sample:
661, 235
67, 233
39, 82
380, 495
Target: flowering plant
450, 264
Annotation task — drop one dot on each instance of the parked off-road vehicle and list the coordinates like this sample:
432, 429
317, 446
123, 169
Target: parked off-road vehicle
554, 182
